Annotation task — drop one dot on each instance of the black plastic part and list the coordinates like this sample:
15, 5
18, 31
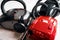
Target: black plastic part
50, 4
34, 11
30, 32
5, 18
25, 38
2, 19
19, 28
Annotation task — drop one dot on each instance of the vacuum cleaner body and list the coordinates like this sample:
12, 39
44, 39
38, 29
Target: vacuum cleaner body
43, 28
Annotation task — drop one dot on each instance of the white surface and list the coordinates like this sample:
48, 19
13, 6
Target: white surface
8, 35
58, 29
30, 4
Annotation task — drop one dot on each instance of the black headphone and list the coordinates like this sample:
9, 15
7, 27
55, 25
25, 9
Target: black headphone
45, 11
7, 17
35, 12
5, 1
50, 4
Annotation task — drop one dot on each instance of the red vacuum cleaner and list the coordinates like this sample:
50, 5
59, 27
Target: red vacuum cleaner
43, 28
45, 25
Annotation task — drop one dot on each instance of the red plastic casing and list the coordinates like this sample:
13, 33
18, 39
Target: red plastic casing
43, 28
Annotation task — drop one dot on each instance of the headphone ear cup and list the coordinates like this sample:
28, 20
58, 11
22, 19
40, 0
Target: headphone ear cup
19, 28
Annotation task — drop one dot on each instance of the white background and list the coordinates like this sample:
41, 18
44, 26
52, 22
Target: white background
30, 4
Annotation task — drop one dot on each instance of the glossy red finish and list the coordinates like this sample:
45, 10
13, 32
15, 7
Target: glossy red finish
43, 28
